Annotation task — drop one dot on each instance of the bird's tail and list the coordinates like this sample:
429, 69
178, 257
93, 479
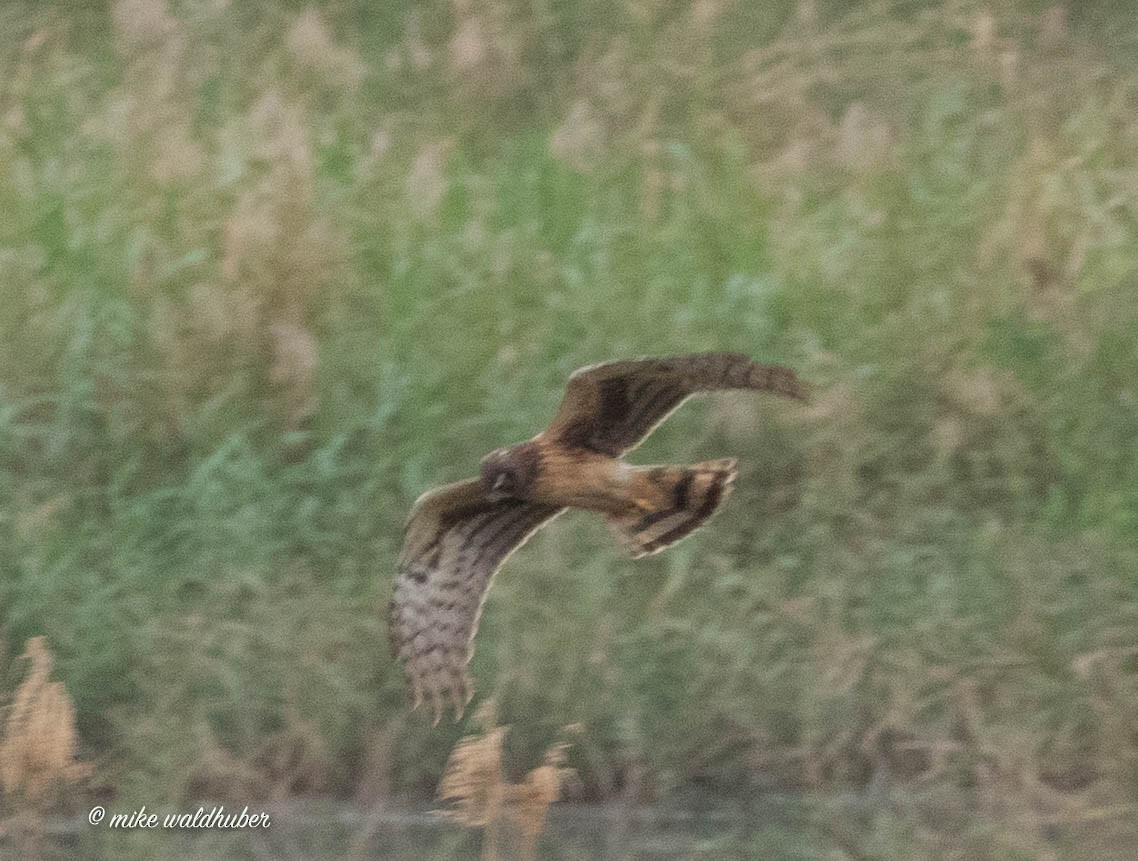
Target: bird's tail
688, 496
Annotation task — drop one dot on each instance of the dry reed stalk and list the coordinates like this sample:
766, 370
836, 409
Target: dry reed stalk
37, 747
475, 780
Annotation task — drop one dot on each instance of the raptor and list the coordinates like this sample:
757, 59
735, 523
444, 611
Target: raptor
459, 535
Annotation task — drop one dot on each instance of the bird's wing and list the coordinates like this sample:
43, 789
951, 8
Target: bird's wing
611, 407
454, 543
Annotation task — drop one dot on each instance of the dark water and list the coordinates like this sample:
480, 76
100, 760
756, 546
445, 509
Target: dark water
778, 829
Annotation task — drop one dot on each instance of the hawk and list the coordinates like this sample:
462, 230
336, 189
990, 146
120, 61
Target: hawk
459, 535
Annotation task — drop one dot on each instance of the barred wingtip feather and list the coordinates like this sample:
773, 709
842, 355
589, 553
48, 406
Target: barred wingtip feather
456, 540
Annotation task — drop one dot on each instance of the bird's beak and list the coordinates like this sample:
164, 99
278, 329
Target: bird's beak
497, 494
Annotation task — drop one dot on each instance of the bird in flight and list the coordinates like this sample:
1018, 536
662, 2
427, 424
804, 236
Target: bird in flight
458, 536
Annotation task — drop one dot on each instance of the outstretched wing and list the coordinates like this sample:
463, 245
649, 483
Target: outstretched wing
455, 541
611, 407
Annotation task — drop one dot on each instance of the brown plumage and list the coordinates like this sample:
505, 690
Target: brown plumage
459, 535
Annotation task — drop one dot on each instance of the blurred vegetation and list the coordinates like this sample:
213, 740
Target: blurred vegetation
270, 270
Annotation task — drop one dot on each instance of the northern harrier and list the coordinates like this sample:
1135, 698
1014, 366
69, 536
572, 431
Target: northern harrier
457, 536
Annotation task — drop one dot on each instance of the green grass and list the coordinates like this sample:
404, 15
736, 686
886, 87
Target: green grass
267, 274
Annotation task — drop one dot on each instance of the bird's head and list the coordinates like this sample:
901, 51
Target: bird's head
509, 473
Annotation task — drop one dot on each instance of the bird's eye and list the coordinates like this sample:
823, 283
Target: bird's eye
504, 481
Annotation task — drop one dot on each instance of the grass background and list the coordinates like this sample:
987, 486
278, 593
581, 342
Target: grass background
270, 270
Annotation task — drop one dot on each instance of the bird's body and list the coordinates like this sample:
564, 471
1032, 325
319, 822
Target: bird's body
579, 478
459, 535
